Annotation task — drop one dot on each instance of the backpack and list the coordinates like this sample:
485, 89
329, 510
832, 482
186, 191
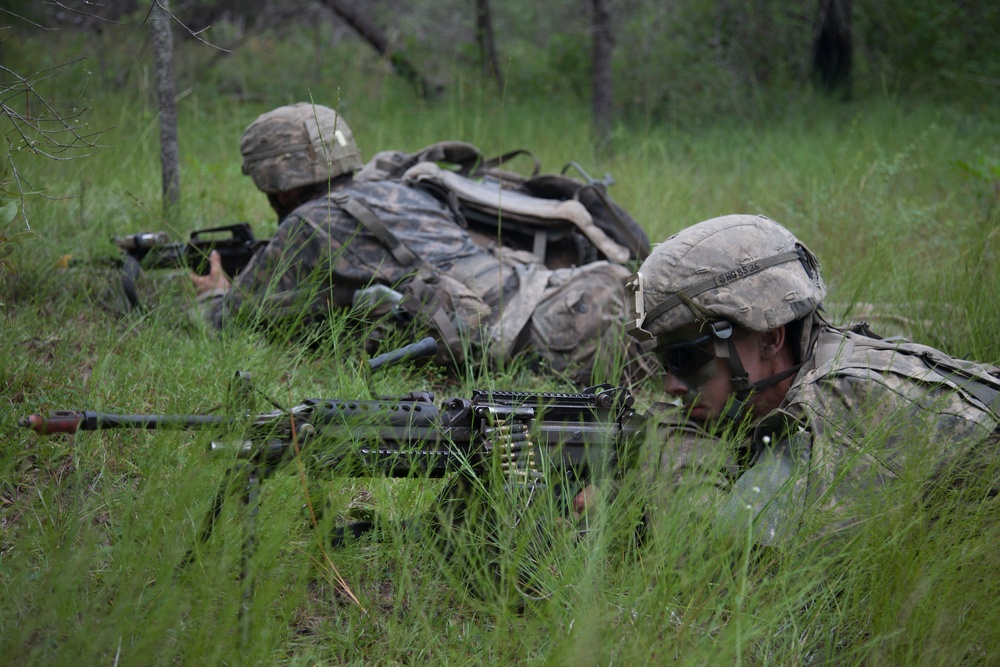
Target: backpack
563, 220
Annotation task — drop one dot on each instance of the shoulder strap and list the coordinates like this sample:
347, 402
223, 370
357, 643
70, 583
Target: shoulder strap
360, 212
979, 381
495, 165
461, 156
983, 387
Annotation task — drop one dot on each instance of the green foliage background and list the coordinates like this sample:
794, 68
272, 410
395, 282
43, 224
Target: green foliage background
894, 189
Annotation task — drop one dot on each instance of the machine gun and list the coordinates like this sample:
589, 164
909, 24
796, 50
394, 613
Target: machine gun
529, 443
236, 245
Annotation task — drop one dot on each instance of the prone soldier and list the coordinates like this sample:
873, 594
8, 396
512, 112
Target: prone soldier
340, 236
783, 414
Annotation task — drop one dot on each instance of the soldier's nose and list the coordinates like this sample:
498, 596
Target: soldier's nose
674, 386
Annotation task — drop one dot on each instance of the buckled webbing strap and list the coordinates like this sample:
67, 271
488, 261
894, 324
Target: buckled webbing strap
532, 282
978, 387
720, 280
726, 350
371, 222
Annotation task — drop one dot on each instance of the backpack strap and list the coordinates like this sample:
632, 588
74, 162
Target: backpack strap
497, 163
980, 382
464, 157
373, 224
985, 389
631, 234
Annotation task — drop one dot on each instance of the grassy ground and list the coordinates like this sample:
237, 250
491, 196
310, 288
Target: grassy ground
897, 198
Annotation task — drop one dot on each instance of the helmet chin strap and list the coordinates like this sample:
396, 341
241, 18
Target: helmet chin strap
725, 348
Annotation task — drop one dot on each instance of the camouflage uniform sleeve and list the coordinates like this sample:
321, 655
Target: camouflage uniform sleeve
289, 278
321, 254
690, 472
209, 306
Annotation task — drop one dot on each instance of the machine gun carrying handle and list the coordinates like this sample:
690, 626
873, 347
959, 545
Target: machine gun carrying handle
422, 348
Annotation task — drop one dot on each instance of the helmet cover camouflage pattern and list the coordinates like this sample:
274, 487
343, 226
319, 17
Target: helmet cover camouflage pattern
745, 269
298, 145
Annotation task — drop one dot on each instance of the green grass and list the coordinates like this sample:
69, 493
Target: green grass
896, 197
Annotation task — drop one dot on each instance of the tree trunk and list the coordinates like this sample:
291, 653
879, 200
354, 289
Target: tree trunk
602, 76
832, 47
487, 48
163, 54
371, 34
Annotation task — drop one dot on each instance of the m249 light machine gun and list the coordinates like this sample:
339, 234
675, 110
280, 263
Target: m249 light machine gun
527, 444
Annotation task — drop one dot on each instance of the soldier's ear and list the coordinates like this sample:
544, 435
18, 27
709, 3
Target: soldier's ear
772, 341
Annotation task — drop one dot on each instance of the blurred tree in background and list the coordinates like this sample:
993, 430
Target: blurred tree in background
644, 62
671, 60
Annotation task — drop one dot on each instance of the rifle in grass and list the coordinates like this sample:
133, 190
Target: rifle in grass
236, 245
530, 444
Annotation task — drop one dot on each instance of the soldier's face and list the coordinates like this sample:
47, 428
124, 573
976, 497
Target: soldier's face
696, 377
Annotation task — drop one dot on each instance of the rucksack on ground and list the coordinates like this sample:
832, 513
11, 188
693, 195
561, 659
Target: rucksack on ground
564, 220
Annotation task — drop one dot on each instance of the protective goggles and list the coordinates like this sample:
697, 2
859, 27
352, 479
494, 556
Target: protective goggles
687, 358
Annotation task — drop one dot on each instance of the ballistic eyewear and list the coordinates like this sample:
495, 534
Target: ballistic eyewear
687, 358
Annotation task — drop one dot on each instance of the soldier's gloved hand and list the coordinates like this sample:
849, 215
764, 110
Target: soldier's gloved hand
216, 278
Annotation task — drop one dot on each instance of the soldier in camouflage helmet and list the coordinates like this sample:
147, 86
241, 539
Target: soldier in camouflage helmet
348, 243
783, 414
296, 148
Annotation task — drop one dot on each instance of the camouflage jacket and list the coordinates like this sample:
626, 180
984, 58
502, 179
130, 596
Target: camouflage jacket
861, 414
320, 255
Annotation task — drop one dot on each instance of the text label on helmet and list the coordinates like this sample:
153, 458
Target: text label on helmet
742, 272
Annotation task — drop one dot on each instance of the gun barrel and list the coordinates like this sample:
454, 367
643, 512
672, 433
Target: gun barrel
71, 421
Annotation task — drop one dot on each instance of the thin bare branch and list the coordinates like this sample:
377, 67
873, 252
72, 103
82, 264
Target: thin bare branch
20, 189
36, 125
32, 23
193, 33
33, 79
60, 5
50, 132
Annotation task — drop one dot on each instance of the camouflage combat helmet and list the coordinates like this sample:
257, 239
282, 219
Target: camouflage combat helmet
298, 145
743, 269
737, 270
